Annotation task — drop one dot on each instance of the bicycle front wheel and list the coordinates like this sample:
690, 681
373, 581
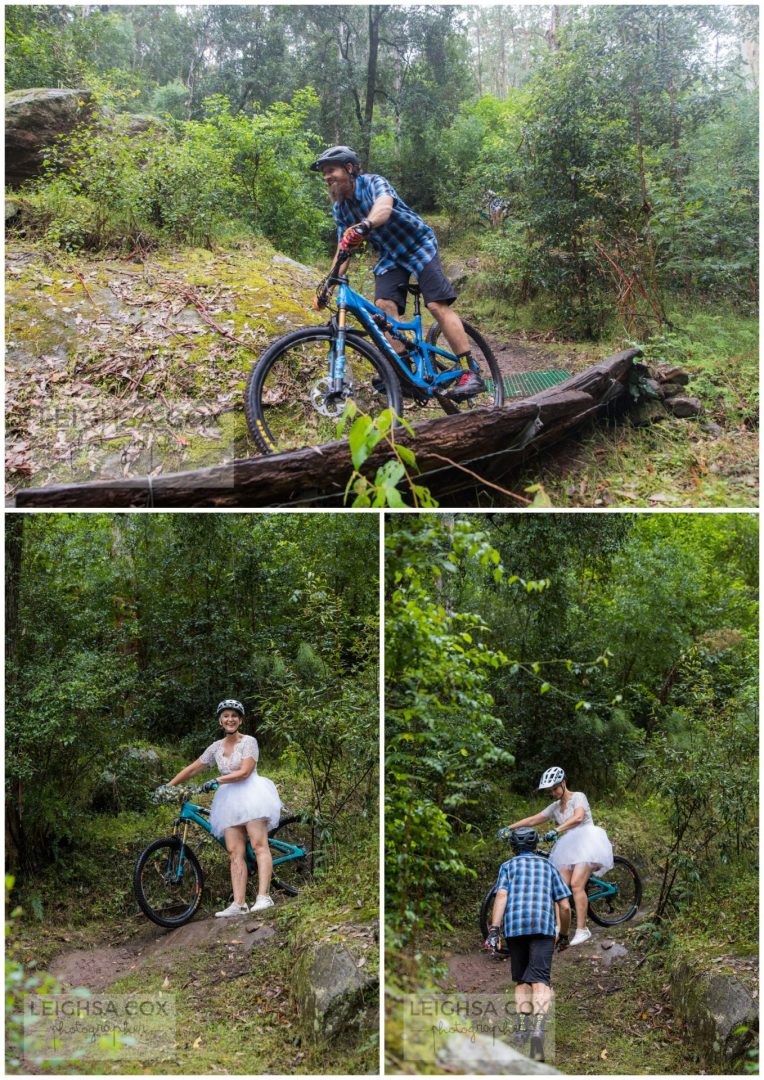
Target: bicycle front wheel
493, 394
293, 873
616, 908
288, 401
167, 892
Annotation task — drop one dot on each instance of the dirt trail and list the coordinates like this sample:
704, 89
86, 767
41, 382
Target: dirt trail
607, 1021
477, 970
230, 939
515, 355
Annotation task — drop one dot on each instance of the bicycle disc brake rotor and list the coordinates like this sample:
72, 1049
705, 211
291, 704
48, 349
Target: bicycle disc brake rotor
326, 402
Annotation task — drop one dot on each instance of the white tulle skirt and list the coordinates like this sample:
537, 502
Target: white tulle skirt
245, 800
584, 844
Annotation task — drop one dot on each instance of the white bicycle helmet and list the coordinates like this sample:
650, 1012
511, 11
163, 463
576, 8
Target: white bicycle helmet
230, 703
551, 777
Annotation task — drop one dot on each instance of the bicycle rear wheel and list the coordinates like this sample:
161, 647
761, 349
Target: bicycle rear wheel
168, 895
292, 874
287, 400
489, 372
624, 904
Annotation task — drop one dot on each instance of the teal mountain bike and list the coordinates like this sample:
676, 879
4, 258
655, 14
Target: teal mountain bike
613, 898
168, 879
298, 389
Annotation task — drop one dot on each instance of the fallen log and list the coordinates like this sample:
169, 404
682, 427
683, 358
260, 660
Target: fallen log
318, 475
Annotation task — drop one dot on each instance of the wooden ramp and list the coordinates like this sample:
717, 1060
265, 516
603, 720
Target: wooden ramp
489, 442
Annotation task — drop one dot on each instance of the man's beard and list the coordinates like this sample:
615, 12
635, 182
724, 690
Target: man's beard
338, 191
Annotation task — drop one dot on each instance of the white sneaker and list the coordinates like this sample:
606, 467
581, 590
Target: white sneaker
231, 910
262, 903
580, 937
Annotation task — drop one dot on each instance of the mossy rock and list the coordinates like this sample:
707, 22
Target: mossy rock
718, 1010
333, 994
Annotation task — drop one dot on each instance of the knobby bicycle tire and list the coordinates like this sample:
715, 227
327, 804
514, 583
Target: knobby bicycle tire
630, 894
282, 388
483, 353
142, 885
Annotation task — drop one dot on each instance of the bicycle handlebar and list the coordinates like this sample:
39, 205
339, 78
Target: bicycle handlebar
167, 794
505, 831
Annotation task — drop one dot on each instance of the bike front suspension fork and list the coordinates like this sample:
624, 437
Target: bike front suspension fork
337, 372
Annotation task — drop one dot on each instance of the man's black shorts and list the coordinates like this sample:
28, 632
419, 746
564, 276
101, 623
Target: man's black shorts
531, 958
435, 286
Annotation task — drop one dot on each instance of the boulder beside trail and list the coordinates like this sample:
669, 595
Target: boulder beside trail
33, 120
333, 993
458, 274
479, 1055
718, 1010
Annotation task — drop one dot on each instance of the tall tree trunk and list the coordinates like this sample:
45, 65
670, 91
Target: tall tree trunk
376, 15
14, 548
553, 33
479, 53
14, 551
646, 207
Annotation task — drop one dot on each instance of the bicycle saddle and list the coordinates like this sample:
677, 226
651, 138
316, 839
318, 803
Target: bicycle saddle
414, 289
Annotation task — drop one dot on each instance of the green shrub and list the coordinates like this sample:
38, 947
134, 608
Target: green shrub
132, 771
108, 185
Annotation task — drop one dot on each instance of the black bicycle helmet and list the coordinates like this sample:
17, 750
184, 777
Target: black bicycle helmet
337, 155
525, 839
230, 703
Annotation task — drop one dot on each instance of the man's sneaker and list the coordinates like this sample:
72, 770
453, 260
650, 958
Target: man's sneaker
262, 903
467, 386
231, 910
580, 937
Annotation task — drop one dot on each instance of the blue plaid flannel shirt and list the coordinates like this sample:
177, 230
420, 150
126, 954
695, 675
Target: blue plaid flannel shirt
404, 240
533, 884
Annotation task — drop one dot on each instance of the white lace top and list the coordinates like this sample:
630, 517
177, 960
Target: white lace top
576, 799
246, 747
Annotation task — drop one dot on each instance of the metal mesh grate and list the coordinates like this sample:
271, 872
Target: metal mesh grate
528, 383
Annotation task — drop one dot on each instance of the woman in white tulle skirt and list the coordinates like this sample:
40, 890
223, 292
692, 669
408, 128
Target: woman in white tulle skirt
245, 805
581, 848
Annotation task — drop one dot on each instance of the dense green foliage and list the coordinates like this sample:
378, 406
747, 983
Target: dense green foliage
124, 631
187, 181
615, 159
623, 139
624, 649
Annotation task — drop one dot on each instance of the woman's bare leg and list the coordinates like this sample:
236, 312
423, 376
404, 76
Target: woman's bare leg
581, 873
235, 842
258, 838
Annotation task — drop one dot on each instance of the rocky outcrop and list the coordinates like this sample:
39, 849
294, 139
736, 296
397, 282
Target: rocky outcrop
720, 1012
33, 120
333, 994
458, 274
479, 1055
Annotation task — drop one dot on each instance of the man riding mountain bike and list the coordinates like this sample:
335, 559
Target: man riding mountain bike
367, 207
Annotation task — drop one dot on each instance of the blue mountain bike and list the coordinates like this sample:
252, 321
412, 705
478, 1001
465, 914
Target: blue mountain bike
612, 899
298, 390
168, 879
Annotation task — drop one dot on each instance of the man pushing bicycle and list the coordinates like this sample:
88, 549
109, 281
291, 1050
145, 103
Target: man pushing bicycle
528, 888
367, 207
